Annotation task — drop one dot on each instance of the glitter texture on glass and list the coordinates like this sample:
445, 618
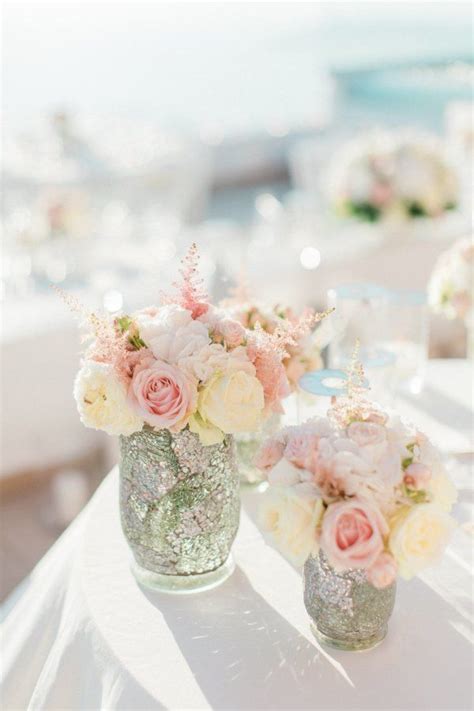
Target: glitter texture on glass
179, 502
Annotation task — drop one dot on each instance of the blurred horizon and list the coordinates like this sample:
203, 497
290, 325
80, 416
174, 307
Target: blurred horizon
214, 68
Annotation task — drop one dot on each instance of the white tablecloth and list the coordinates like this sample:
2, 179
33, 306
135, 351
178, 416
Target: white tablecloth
85, 636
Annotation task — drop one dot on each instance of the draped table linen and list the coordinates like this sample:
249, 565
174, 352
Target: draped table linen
84, 635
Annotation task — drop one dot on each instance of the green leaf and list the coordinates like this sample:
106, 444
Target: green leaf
124, 323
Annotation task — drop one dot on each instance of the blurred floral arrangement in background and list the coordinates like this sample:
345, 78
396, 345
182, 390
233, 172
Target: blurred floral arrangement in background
399, 176
183, 364
450, 289
364, 487
303, 354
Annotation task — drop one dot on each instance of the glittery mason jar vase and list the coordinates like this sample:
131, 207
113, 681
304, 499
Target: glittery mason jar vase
347, 612
247, 446
179, 508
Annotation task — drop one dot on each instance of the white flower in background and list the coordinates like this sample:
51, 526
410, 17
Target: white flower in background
102, 400
419, 536
398, 175
450, 289
423, 176
171, 333
290, 515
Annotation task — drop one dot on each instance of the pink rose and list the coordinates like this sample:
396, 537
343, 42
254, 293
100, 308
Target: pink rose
231, 331
301, 449
352, 534
417, 475
383, 572
163, 395
269, 455
366, 433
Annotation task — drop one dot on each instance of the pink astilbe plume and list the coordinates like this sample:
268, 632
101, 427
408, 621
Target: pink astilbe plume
354, 406
267, 351
287, 336
108, 345
191, 293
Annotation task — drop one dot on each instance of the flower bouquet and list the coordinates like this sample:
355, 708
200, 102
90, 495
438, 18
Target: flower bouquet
392, 176
302, 354
362, 497
177, 382
450, 290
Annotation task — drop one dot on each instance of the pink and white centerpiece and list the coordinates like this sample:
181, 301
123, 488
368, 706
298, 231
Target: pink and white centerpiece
357, 498
178, 382
183, 364
399, 176
363, 486
451, 287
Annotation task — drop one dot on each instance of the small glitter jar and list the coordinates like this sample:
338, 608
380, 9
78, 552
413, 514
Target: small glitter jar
179, 508
247, 446
346, 610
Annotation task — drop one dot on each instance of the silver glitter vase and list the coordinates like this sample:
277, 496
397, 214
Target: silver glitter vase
247, 446
347, 612
179, 508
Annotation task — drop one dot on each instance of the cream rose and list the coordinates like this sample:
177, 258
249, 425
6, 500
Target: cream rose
102, 400
443, 492
208, 434
291, 518
233, 402
418, 537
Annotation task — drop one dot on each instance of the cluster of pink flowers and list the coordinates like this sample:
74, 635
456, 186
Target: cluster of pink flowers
183, 364
370, 491
302, 346
396, 175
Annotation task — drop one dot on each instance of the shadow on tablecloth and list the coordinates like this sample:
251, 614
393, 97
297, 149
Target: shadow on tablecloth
245, 655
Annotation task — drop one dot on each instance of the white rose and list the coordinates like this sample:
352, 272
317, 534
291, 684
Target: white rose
214, 358
171, 334
213, 315
419, 536
443, 492
291, 516
173, 346
233, 402
102, 400
153, 321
